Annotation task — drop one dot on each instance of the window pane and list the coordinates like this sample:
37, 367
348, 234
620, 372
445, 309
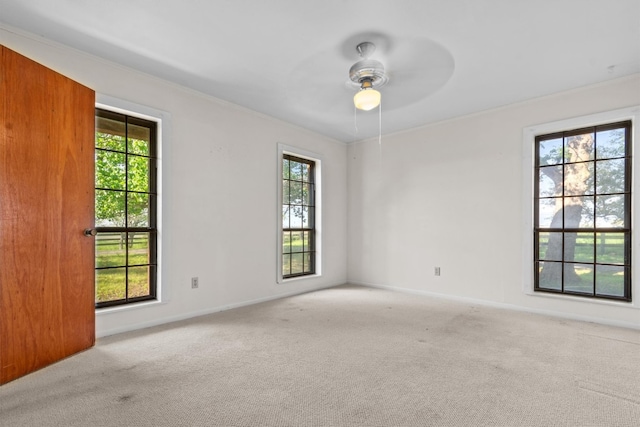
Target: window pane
138, 282
610, 280
306, 243
110, 284
578, 212
295, 192
610, 143
139, 139
550, 246
110, 134
547, 211
138, 173
306, 194
285, 192
548, 177
305, 171
109, 141
307, 217
296, 241
308, 267
111, 250
110, 208
550, 275
286, 264
286, 216
578, 247
138, 248
285, 168
579, 148
610, 211
286, 242
610, 248
137, 210
295, 169
295, 217
110, 170
577, 179
578, 278
296, 263
590, 183
550, 151
610, 175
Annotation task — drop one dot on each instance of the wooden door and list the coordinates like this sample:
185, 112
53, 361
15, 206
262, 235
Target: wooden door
46, 201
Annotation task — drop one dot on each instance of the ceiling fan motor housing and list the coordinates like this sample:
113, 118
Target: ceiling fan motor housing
368, 70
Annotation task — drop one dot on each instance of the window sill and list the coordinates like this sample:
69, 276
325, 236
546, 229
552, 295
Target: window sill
575, 298
127, 307
297, 278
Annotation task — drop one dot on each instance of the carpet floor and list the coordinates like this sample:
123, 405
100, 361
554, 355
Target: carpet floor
346, 356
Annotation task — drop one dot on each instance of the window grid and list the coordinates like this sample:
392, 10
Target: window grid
298, 216
132, 261
580, 251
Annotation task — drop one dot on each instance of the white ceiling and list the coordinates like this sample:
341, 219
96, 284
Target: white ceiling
290, 58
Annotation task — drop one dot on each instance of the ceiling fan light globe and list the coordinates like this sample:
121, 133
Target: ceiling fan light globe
367, 99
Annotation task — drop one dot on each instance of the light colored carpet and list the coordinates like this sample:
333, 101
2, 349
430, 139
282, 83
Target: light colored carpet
347, 356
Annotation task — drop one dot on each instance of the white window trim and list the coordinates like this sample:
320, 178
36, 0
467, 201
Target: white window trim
298, 152
528, 140
163, 119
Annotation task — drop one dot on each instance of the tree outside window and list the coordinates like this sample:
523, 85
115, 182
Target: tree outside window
125, 209
298, 216
582, 214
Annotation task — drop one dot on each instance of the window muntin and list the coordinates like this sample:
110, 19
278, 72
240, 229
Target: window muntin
126, 212
298, 217
582, 212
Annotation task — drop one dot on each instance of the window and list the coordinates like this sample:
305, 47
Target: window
582, 212
125, 211
298, 216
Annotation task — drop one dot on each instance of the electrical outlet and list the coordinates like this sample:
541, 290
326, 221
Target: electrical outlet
437, 271
194, 283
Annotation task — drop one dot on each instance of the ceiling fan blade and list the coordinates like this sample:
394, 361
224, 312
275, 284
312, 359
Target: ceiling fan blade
417, 68
320, 87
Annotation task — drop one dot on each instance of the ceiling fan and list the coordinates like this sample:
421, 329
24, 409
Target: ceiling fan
408, 69
367, 74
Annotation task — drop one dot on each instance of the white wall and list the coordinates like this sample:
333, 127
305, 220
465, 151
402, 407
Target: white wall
447, 195
451, 195
219, 191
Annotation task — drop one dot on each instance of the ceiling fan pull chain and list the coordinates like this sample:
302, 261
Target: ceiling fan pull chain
380, 135
380, 125
355, 123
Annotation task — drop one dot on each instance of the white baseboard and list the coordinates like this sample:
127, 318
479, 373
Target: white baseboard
164, 320
494, 304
